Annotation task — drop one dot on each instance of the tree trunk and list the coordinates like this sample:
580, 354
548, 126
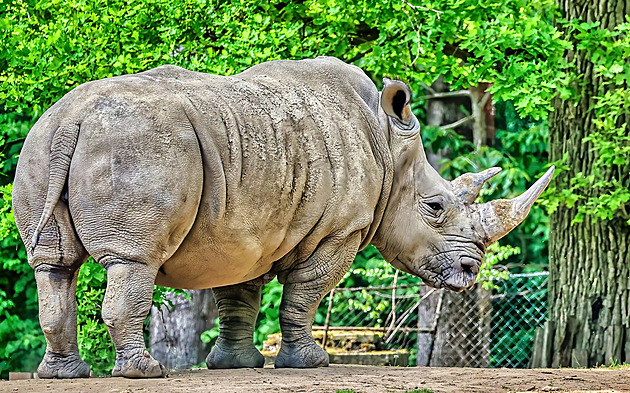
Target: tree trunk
175, 334
441, 111
589, 262
426, 320
462, 337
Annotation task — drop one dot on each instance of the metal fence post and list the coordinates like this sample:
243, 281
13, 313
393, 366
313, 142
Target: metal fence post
327, 322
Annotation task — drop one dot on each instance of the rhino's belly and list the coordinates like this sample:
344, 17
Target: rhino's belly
212, 262
226, 253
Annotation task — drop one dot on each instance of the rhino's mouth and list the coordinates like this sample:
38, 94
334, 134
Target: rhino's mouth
456, 269
459, 281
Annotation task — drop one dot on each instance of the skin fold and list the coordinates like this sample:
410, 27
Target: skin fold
192, 180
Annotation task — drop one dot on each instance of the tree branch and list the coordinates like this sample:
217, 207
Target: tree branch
458, 93
429, 88
484, 100
457, 123
419, 7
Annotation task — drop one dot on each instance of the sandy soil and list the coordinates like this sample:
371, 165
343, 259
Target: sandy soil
368, 379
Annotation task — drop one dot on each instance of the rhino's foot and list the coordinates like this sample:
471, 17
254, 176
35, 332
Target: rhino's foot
55, 365
137, 364
301, 355
224, 355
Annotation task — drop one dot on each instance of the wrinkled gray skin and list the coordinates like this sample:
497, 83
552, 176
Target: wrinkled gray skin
192, 180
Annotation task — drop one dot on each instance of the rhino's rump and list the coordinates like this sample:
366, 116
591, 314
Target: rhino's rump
135, 180
288, 161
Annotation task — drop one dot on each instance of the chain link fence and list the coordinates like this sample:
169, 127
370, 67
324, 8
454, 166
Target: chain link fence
519, 307
475, 328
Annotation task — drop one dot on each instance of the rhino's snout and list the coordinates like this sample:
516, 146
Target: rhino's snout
463, 273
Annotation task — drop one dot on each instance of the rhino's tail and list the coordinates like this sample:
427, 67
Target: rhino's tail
61, 150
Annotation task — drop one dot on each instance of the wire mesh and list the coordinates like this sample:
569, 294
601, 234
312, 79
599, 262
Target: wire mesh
519, 307
476, 328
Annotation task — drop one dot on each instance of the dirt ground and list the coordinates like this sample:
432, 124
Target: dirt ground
368, 379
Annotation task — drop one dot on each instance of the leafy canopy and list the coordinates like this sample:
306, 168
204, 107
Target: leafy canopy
49, 47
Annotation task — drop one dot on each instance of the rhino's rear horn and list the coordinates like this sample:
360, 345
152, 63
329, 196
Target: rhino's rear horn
500, 216
467, 186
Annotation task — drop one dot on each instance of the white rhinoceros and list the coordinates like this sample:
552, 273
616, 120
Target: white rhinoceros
190, 180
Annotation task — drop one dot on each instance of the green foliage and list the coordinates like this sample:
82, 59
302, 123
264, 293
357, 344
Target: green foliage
95, 345
488, 273
209, 336
614, 365
603, 190
51, 47
513, 333
161, 300
7, 222
610, 51
14, 129
21, 340
510, 43
268, 322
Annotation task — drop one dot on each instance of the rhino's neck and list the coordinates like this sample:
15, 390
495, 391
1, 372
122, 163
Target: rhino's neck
407, 153
393, 221
381, 148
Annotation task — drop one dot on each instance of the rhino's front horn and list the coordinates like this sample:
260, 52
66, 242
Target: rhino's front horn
499, 217
467, 186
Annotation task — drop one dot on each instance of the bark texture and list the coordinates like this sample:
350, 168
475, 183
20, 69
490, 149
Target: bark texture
462, 337
175, 333
590, 261
427, 314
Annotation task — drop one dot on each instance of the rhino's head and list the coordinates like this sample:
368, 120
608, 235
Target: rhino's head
431, 227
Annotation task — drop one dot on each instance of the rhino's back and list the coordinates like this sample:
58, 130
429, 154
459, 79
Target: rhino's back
293, 153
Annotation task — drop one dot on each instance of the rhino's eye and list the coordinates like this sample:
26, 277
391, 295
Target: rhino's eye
435, 206
433, 209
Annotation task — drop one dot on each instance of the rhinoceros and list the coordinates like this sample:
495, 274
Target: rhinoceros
190, 180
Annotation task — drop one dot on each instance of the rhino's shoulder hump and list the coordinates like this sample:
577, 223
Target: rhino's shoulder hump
353, 76
317, 73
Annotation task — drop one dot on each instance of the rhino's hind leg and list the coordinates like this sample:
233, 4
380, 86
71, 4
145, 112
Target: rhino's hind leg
126, 305
304, 288
56, 260
56, 288
238, 307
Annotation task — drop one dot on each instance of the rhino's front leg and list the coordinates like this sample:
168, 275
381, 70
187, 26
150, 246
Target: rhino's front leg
238, 307
126, 305
304, 288
56, 288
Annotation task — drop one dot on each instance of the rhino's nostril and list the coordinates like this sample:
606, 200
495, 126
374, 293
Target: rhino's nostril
470, 266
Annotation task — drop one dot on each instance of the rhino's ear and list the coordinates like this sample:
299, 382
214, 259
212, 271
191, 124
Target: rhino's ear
395, 100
